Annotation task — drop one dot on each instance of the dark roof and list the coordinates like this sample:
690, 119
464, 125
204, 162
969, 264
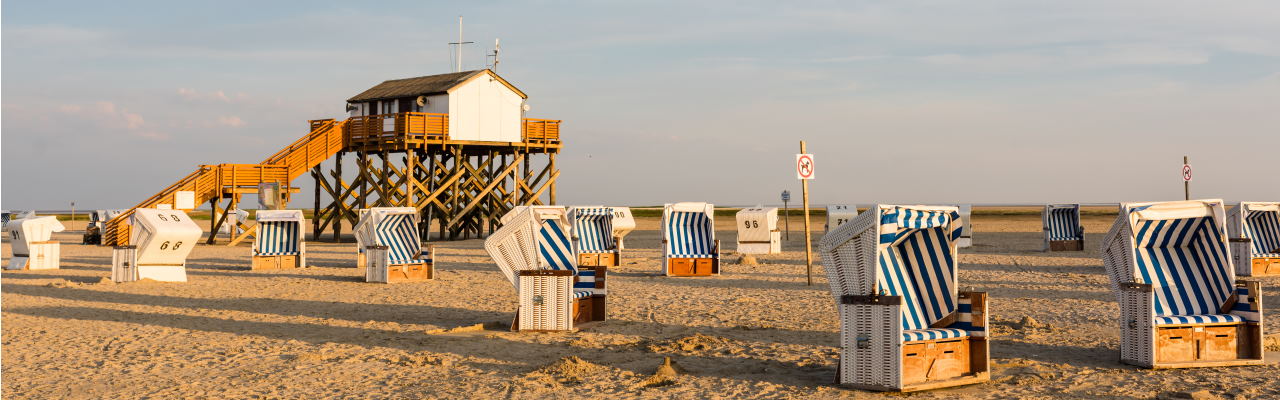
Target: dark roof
408, 87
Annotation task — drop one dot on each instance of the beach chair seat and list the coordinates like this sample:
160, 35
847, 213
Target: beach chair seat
1254, 228
758, 231
534, 251
1062, 228
393, 251
162, 239
32, 244
689, 243
278, 243
904, 325
1180, 303
596, 239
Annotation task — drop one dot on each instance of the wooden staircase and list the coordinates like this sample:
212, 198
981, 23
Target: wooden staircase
215, 181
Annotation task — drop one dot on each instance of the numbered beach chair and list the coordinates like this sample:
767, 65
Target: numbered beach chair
689, 240
279, 242
623, 223
758, 231
966, 235
595, 240
1255, 237
162, 240
534, 251
904, 325
393, 250
839, 214
1180, 305
1062, 228
32, 244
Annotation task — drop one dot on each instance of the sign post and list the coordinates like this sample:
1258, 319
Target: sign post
1186, 178
786, 197
804, 172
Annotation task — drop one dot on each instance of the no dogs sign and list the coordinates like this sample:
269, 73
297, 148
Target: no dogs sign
804, 166
1186, 172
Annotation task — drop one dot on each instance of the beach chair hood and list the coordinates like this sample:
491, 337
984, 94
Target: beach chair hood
532, 238
279, 232
372, 217
688, 229
163, 237
593, 230
1259, 222
23, 232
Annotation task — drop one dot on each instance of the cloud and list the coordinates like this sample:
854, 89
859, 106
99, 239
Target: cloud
214, 96
107, 115
231, 121
1074, 57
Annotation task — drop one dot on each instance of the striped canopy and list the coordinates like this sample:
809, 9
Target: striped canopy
593, 229
277, 238
531, 238
689, 231
1062, 222
554, 247
1263, 227
916, 260
399, 232
1180, 249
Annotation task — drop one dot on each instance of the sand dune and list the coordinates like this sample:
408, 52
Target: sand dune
755, 331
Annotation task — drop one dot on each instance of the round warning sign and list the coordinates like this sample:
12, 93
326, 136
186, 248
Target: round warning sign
1186, 172
804, 166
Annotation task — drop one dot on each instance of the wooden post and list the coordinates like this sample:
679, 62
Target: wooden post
315, 212
338, 204
552, 183
808, 241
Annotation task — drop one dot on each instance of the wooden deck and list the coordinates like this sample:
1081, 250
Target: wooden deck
413, 130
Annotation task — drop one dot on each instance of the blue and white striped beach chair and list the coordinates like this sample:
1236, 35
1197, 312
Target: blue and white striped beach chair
904, 325
689, 240
394, 251
534, 251
595, 240
279, 242
1180, 304
1254, 227
1062, 228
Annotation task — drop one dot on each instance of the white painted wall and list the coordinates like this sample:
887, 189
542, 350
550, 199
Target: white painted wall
436, 104
484, 109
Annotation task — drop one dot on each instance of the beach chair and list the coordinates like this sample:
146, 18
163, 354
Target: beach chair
839, 214
595, 240
1062, 228
279, 244
1254, 228
904, 325
394, 251
534, 251
689, 240
758, 231
1180, 305
31, 243
966, 235
97, 224
162, 240
623, 223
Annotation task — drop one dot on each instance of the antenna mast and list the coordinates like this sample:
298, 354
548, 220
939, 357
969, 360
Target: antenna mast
497, 47
458, 61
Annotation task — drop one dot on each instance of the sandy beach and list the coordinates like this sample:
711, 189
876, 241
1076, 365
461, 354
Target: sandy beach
755, 331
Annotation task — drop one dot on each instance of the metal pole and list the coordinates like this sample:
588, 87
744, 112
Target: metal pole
786, 219
808, 242
1186, 184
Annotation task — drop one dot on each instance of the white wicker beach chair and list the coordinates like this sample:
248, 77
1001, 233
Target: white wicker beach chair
904, 325
393, 250
1180, 305
839, 214
758, 231
1255, 237
595, 240
534, 251
689, 243
279, 242
162, 240
32, 244
1062, 228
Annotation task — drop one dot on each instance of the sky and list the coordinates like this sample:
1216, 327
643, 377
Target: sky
106, 103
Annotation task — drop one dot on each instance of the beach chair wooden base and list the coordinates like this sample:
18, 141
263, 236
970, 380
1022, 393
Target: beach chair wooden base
599, 259
1207, 345
1266, 266
397, 273
941, 363
1066, 245
693, 266
276, 262
41, 255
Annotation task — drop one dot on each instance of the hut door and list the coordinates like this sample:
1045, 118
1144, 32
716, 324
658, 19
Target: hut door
388, 108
